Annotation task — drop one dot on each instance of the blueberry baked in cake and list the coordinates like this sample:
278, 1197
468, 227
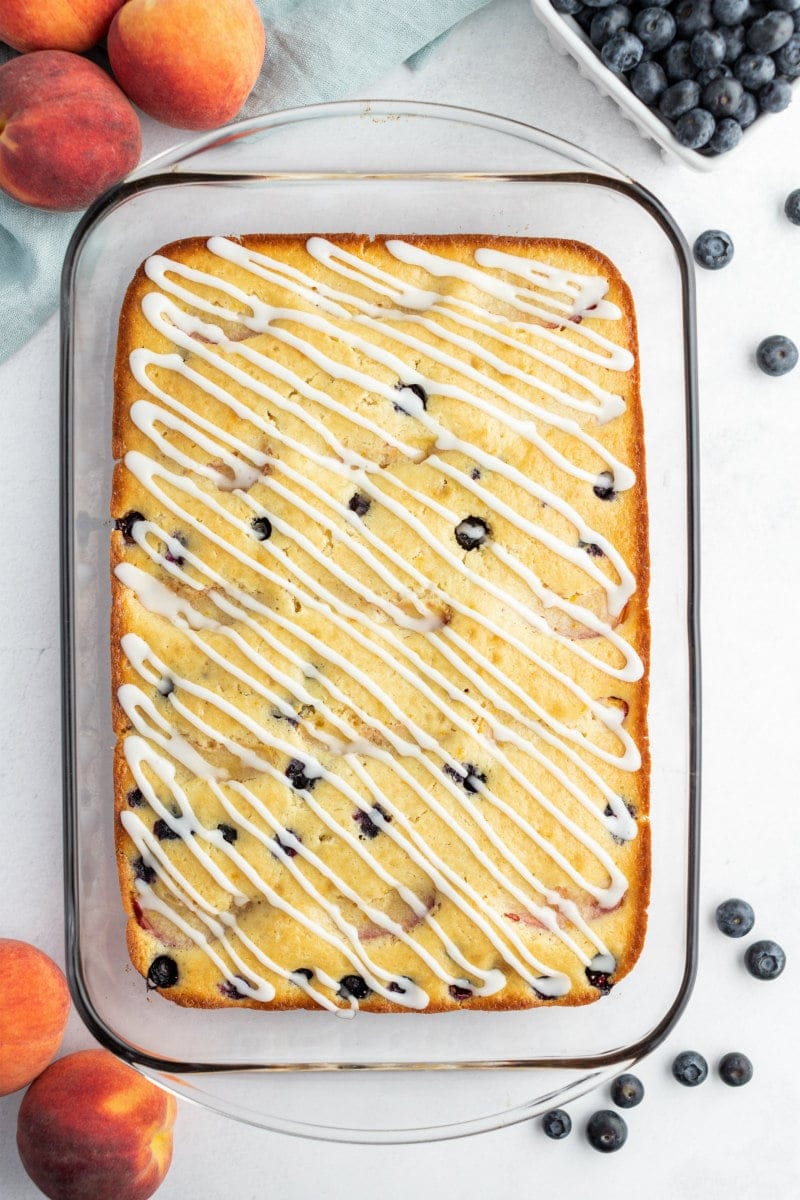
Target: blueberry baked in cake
380, 630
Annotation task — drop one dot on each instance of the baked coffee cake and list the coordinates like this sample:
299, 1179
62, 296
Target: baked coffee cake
380, 627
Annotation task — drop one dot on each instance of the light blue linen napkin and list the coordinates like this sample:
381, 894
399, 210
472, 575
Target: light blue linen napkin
316, 50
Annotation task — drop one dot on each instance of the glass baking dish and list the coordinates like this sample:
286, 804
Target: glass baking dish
378, 167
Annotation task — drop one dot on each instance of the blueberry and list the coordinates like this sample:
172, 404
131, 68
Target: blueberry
468, 777
734, 42
722, 97
695, 129
627, 1091
622, 52
792, 210
165, 832
296, 774
125, 525
306, 972
475, 473
142, 871
777, 355
747, 111
730, 12
599, 976
460, 993
471, 532
789, 6
228, 832
135, 798
735, 918
707, 48
592, 549
416, 390
754, 70
557, 1124
604, 486
355, 986
262, 528
394, 986
606, 1131
585, 17
231, 991
776, 96
711, 74
769, 33
726, 136
679, 98
648, 81
693, 15
678, 62
655, 28
598, 3
369, 828
765, 960
607, 22
165, 686
690, 1068
787, 60
163, 972
735, 1069
567, 7
289, 850
359, 504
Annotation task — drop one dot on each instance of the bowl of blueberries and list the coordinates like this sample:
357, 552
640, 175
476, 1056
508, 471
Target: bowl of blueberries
692, 74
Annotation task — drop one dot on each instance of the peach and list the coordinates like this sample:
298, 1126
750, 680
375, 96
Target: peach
66, 130
55, 24
90, 1126
34, 1006
189, 63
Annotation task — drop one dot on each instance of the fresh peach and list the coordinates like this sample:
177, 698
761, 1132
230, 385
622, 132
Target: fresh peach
55, 24
66, 130
189, 63
92, 1128
34, 1006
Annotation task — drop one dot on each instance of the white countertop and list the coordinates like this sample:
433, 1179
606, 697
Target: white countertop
714, 1141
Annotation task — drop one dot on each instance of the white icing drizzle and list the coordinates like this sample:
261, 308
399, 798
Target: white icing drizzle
231, 465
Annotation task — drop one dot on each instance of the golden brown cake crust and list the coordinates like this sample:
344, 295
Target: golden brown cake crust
151, 935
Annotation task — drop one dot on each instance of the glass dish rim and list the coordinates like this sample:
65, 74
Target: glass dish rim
169, 172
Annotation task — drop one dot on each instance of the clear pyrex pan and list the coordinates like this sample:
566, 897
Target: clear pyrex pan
378, 167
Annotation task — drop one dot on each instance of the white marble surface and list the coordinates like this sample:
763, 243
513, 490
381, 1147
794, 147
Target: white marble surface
713, 1142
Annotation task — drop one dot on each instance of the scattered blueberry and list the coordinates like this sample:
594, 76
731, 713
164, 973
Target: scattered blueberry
690, 1068
791, 208
369, 828
764, 960
557, 1124
679, 98
627, 1091
707, 48
777, 355
355, 986
770, 32
135, 798
289, 850
359, 504
695, 128
262, 528
622, 52
460, 993
125, 525
604, 486
726, 136
606, 1131
165, 832
735, 918
417, 390
228, 832
607, 22
722, 97
693, 15
735, 1069
776, 96
296, 774
142, 871
163, 972
787, 60
655, 28
730, 12
471, 532
754, 70
648, 81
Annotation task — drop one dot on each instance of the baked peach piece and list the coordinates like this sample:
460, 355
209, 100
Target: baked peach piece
92, 1127
34, 1006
